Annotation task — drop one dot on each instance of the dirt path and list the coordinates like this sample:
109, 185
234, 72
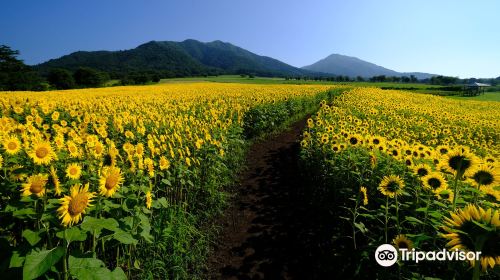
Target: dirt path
269, 231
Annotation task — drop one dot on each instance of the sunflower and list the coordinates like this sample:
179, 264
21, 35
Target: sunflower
73, 149
376, 140
408, 160
354, 139
475, 229
434, 181
35, 184
373, 160
335, 148
460, 162
443, 149
402, 242
491, 195
149, 200
42, 153
422, 170
444, 193
362, 190
310, 123
110, 180
12, 145
55, 181
74, 171
98, 149
484, 175
74, 205
391, 185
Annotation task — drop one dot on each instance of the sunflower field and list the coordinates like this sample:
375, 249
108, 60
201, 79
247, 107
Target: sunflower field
417, 171
114, 182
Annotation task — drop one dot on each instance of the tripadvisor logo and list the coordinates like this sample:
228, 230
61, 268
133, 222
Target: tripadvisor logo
387, 255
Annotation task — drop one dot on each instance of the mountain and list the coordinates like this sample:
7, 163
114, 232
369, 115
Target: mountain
186, 58
337, 64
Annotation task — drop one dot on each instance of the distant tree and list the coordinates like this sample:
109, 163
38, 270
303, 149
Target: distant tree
14, 74
61, 78
140, 78
360, 79
155, 78
405, 79
413, 79
88, 77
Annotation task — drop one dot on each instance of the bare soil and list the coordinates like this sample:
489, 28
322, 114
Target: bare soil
270, 231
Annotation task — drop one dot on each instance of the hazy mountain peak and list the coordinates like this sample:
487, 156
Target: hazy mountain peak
343, 65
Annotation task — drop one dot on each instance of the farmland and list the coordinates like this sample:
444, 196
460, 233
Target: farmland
413, 170
128, 182
100, 180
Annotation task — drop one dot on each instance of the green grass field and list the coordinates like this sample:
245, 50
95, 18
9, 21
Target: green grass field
264, 80
488, 96
419, 88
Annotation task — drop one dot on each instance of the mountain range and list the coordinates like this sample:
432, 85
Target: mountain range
192, 58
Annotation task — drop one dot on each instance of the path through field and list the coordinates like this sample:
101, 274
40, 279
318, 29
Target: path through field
269, 231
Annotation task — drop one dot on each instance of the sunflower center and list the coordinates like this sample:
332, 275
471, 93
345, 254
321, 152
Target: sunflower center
434, 183
445, 195
111, 181
78, 204
459, 163
12, 145
41, 152
403, 245
36, 186
376, 141
422, 172
392, 186
73, 171
353, 140
483, 177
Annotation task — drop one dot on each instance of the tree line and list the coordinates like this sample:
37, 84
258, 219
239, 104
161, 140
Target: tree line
15, 75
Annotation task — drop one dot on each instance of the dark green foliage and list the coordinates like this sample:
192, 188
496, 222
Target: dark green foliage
61, 79
14, 74
175, 59
88, 77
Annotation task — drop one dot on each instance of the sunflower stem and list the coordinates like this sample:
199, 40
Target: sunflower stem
455, 191
65, 258
355, 213
476, 194
397, 214
386, 215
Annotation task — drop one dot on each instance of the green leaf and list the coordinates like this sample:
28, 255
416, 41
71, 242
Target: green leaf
414, 220
23, 212
118, 274
422, 209
483, 226
166, 182
38, 262
72, 234
361, 227
91, 224
16, 260
32, 237
163, 202
93, 269
124, 237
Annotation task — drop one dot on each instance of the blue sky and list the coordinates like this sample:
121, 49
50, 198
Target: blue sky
457, 38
